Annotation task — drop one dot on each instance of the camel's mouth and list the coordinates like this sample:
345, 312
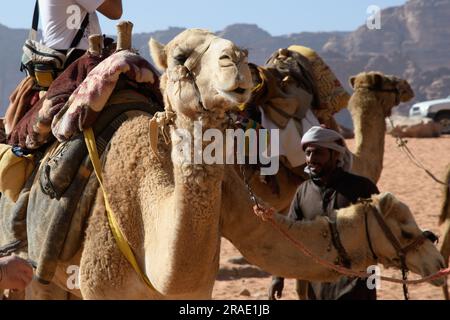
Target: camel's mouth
238, 95
438, 283
428, 270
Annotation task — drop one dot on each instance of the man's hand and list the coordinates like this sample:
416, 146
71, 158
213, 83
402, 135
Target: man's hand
264, 213
15, 273
276, 288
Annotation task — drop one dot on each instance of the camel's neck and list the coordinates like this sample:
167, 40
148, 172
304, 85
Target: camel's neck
194, 242
354, 237
370, 129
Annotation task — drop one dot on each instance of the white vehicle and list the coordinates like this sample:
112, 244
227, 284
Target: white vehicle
438, 110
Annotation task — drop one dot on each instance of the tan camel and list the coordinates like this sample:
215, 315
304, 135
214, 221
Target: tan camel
445, 220
374, 97
372, 101
173, 213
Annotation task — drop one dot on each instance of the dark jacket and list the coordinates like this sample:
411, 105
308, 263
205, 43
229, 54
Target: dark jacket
312, 200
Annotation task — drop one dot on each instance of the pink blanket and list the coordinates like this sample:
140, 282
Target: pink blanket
34, 129
89, 99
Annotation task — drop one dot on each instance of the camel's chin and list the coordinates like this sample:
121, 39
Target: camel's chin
437, 282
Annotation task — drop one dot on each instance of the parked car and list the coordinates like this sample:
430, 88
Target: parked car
438, 110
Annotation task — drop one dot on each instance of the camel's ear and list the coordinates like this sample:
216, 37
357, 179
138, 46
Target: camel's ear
387, 201
158, 54
352, 82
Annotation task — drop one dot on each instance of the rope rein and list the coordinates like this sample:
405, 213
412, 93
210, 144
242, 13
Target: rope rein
403, 145
339, 269
349, 272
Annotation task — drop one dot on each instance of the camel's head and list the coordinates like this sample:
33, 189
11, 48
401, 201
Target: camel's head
423, 259
202, 73
390, 90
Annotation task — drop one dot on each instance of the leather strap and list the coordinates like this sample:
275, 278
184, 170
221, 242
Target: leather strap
343, 255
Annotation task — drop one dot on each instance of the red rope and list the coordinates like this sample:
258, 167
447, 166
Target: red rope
349, 272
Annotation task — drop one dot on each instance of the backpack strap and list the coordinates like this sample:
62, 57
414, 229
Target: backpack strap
35, 23
80, 33
75, 41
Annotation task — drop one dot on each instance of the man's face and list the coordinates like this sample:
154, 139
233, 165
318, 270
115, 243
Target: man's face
321, 161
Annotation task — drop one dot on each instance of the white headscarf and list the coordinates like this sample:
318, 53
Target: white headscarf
329, 139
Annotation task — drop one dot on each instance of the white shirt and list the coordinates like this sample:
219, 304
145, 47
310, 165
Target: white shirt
61, 19
290, 138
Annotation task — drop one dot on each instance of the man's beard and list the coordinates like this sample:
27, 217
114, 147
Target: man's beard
324, 171
314, 174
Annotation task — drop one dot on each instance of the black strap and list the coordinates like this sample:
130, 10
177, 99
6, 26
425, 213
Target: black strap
78, 36
374, 255
344, 258
35, 23
80, 33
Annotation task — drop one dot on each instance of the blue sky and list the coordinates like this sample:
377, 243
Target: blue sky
293, 15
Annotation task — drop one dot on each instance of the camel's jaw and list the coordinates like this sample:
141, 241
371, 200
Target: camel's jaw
427, 264
237, 96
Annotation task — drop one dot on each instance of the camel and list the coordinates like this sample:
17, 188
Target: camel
374, 97
445, 220
173, 212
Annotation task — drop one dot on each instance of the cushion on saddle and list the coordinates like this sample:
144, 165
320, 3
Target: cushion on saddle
89, 99
20, 101
34, 129
333, 97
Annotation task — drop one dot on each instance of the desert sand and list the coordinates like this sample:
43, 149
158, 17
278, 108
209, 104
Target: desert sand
401, 177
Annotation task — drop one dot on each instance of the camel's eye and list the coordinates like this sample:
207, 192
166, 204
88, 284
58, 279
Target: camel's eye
431, 236
181, 59
225, 61
407, 235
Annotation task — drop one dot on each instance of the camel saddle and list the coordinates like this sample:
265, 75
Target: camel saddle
49, 218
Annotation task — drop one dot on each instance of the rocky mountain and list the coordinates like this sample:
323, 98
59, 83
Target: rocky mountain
413, 42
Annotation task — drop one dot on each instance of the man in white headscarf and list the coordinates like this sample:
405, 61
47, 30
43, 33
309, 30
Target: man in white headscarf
331, 187
321, 138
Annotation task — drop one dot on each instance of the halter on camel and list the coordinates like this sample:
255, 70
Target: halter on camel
162, 120
400, 251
